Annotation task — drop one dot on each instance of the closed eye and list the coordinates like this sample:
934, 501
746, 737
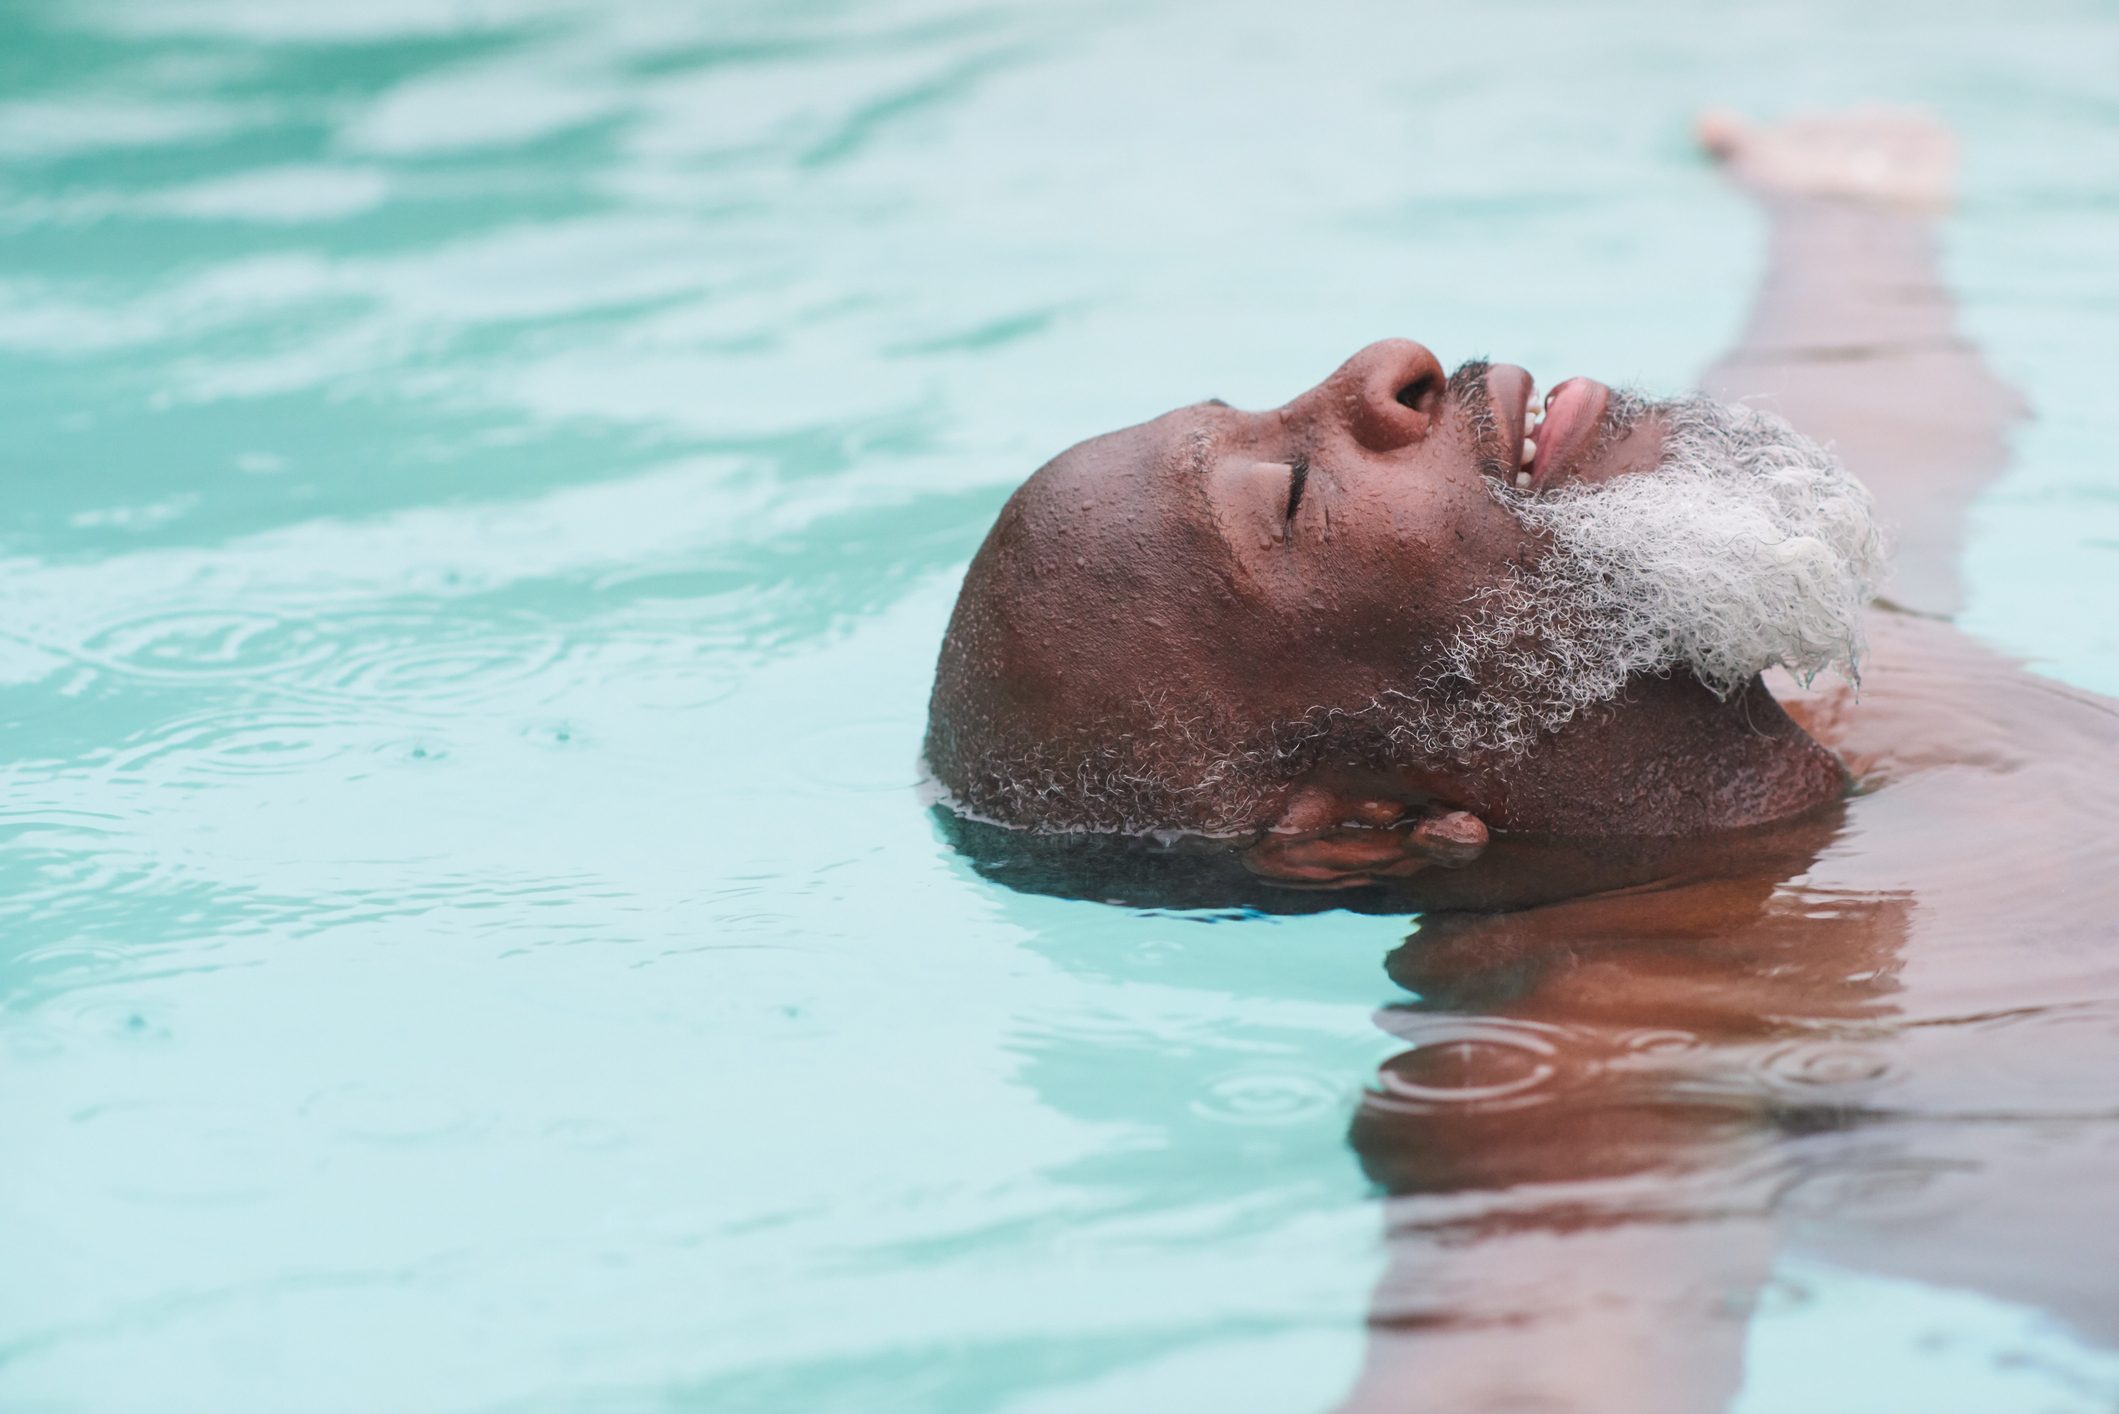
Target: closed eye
1298, 477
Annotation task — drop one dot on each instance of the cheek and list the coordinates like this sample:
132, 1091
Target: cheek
1449, 539
1250, 500
1412, 588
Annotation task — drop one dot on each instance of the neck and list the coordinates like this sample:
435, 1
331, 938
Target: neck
1668, 758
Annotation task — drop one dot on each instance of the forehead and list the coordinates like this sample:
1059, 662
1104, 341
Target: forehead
1178, 446
1129, 506
1154, 470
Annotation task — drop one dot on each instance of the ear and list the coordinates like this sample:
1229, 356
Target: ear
1326, 840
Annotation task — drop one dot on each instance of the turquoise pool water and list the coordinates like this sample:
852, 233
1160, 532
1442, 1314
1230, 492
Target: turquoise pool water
483, 483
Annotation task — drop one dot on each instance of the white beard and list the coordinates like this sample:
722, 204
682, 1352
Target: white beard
1748, 547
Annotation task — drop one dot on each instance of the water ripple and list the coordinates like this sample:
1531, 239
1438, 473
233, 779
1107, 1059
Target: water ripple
442, 676
198, 643
99, 1016
1268, 1097
1801, 1069
232, 743
1486, 1063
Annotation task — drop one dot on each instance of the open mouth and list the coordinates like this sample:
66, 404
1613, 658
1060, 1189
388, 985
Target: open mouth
1550, 436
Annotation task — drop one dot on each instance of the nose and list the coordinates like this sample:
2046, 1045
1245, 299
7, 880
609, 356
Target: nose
1388, 395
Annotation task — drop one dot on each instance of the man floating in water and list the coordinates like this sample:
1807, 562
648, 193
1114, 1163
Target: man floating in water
1445, 641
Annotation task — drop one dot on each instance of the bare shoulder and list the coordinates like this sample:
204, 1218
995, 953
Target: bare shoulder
1932, 696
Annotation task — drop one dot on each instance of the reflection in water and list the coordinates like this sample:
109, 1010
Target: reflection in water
1614, 1122
1615, 1119
483, 483
1275, 1096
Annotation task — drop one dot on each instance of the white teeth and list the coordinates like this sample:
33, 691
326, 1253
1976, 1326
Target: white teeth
1530, 449
1522, 481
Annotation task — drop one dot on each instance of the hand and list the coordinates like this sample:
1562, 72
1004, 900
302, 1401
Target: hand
1903, 157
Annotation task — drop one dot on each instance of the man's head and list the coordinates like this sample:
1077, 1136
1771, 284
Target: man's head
1401, 591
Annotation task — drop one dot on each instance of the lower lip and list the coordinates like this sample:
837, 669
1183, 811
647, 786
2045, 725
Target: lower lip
1572, 415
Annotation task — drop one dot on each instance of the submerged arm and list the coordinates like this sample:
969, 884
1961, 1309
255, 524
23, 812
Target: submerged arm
1853, 335
1575, 1143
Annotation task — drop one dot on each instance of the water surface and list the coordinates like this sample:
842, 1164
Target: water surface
483, 486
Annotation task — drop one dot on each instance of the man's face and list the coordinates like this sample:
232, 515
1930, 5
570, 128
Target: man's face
1360, 521
1257, 564
1397, 567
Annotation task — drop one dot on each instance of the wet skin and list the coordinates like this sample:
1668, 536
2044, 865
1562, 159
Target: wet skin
1704, 983
1253, 565
1861, 1011
1880, 1034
